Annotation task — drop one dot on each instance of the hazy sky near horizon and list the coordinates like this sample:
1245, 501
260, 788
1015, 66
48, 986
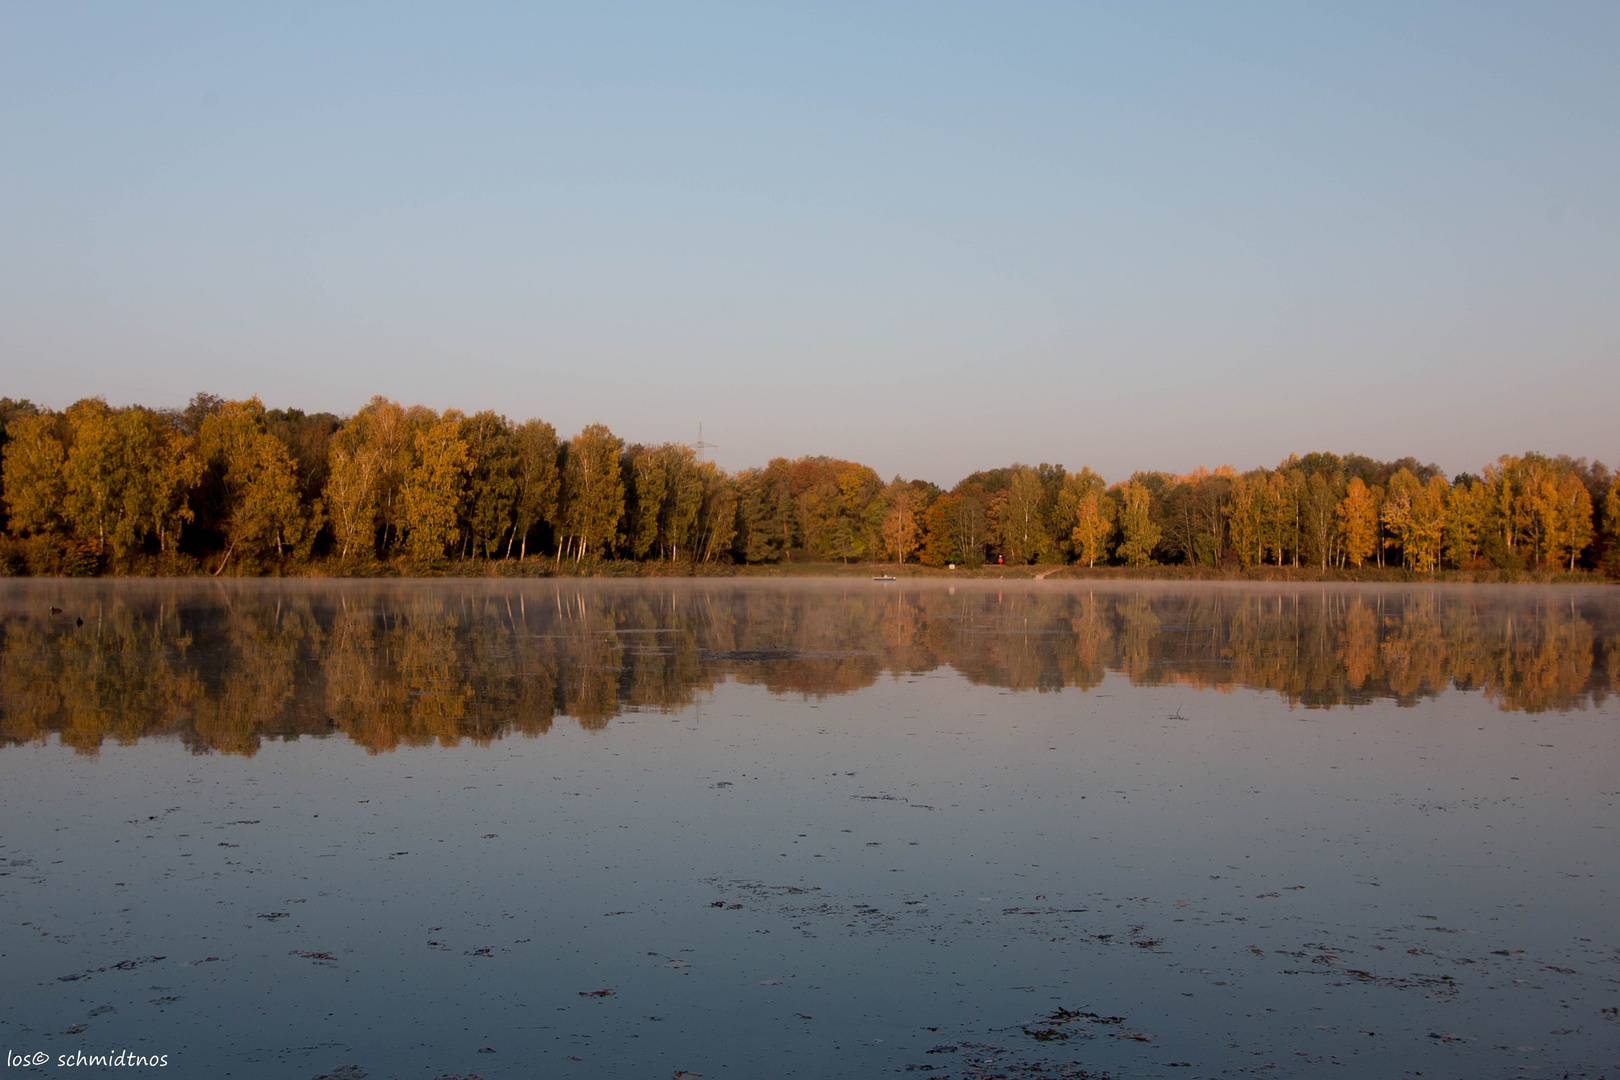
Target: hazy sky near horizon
931, 237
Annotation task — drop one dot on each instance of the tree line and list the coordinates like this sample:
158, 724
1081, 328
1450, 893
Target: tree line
230, 485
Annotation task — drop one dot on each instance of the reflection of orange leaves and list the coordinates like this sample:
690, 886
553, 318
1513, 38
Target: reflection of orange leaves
1358, 645
417, 667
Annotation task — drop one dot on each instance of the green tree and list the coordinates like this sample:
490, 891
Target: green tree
717, 518
1138, 534
686, 487
1019, 529
1244, 515
490, 499
538, 479
646, 483
766, 515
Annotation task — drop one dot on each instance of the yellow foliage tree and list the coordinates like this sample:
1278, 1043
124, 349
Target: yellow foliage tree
1468, 509
1358, 521
1138, 534
97, 470
900, 531
34, 481
431, 497
157, 493
593, 490
265, 512
1093, 526
1564, 508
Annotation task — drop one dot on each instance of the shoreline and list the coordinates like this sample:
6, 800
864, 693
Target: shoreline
543, 568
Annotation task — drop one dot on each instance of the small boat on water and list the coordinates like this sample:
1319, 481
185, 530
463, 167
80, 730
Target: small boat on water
884, 577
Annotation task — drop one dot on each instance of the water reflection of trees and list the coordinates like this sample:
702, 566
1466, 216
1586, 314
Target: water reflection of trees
403, 666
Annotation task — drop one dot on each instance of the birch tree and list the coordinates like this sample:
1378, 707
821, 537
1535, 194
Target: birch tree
593, 490
537, 481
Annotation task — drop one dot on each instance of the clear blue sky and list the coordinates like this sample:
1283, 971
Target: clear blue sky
932, 237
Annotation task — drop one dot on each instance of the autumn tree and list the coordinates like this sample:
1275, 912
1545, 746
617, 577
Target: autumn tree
1564, 508
1611, 523
263, 510
96, 471
11, 409
367, 460
1468, 509
157, 493
1358, 521
431, 497
34, 467
1415, 515
900, 532
592, 491
1093, 527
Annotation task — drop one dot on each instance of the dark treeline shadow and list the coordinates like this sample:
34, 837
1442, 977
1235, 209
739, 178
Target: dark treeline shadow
223, 668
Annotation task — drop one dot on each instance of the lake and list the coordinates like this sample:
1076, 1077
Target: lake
816, 829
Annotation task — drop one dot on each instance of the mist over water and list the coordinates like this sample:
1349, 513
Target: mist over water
427, 829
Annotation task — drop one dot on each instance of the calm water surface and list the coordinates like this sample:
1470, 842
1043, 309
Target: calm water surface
851, 829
